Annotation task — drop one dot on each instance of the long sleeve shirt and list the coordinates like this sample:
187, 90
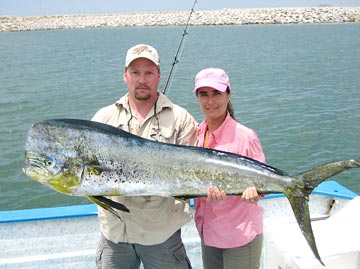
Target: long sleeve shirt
152, 219
233, 222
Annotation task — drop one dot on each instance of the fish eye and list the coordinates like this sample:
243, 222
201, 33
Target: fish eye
49, 163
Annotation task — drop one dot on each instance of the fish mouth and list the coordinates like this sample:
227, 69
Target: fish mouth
34, 169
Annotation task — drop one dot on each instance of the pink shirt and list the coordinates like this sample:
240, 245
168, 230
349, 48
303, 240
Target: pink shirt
231, 223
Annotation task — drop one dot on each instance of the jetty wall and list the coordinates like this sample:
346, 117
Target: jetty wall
225, 16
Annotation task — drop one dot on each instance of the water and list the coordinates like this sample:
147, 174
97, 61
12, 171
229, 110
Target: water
296, 85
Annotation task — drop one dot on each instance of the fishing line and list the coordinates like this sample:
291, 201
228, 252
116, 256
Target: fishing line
179, 48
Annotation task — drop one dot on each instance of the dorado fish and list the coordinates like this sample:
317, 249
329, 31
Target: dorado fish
85, 158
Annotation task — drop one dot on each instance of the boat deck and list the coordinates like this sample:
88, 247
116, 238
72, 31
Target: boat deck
66, 237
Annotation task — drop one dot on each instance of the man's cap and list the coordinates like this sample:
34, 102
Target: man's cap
212, 77
142, 51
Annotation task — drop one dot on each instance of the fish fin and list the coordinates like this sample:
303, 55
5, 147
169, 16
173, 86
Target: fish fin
102, 202
98, 126
313, 177
300, 207
305, 183
92, 169
106, 207
110, 203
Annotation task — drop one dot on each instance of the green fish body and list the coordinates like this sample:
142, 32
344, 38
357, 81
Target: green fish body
85, 158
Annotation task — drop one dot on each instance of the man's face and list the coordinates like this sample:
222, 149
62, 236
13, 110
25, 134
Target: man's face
142, 77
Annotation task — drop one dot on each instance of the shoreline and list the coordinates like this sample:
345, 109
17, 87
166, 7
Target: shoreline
226, 16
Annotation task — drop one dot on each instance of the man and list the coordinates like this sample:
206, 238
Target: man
150, 233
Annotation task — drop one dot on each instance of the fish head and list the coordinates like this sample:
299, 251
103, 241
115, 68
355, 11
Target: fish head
51, 172
52, 158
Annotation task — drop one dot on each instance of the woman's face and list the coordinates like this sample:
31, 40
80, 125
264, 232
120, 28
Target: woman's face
213, 103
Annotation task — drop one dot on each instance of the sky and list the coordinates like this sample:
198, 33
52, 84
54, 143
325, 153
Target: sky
52, 7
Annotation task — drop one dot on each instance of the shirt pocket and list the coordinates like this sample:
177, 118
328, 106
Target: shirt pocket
165, 134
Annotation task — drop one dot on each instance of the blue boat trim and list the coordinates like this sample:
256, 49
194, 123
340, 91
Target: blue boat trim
327, 188
48, 213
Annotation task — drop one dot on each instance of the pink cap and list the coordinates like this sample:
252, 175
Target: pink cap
212, 77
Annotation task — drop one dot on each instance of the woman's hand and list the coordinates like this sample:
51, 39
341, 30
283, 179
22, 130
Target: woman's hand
214, 194
250, 195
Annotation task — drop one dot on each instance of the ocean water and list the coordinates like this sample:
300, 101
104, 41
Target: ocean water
297, 85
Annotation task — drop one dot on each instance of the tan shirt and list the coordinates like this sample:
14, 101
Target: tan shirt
152, 219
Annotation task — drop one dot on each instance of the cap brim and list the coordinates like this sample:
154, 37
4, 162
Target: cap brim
212, 84
148, 58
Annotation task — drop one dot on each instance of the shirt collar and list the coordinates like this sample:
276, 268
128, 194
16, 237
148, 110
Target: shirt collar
223, 126
162, 102
216, 134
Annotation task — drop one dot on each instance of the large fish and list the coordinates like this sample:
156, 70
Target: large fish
85, 158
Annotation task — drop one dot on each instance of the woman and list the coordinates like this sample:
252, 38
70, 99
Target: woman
230, 226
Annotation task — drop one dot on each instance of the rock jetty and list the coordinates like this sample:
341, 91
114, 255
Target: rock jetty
216, 17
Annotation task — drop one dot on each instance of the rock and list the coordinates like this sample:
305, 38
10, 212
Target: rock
225, 16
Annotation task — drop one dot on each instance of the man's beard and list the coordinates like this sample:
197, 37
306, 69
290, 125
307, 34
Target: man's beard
142, 97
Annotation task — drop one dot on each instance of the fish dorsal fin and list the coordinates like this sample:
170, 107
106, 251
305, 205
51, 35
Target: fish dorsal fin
98, 126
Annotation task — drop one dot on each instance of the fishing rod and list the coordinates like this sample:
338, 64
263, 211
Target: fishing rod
179, 47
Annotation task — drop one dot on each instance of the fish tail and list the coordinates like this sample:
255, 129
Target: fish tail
300, 207
313, 177
304, 184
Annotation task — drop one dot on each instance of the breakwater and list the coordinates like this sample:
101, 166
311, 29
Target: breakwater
216, 17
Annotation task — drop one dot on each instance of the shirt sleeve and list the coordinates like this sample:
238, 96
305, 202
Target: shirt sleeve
187, 132
255, 150
100, 115
97, 117
109, 115
186, 129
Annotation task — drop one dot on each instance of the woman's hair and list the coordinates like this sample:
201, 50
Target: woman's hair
230, 107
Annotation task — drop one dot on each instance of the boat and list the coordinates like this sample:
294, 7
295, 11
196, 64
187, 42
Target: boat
66, 237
